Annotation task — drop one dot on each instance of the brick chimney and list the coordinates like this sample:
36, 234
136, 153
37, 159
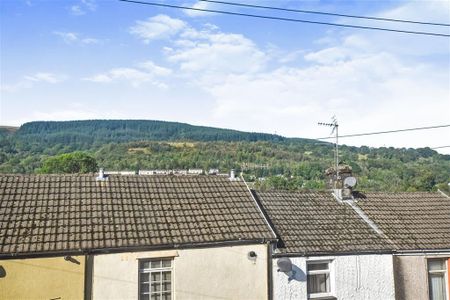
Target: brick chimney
342, 183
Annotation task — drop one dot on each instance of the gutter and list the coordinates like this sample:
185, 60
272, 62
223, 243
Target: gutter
393, 252
123, 249
330, 253
422, 251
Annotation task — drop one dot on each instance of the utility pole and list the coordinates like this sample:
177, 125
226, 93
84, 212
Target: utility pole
335, 127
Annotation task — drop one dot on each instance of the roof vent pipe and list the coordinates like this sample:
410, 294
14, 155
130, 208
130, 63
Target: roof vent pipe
101, 175
232, 175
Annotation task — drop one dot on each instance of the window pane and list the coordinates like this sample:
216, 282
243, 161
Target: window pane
167, 286
156, 276
144, 297
437, 287
144, 288
156, 264
166, 263
156, 297
436, 264
319, 283
145, 264
156, 287
166, 276
317, 266
166, 296
145, 277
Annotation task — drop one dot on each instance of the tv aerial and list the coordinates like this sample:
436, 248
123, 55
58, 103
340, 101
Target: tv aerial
334, 124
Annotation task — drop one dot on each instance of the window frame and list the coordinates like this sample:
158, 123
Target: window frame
151, 270
444, 271
330, 271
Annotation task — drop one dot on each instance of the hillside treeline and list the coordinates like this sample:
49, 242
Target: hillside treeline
268, 161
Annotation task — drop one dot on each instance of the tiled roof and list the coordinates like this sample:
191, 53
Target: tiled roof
53, 213
413, 221
314, 223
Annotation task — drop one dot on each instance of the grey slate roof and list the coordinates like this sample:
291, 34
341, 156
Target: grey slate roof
54, 213
314, 223
414, 221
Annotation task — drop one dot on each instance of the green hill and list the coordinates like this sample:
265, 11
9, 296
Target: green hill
105, 131
270, 161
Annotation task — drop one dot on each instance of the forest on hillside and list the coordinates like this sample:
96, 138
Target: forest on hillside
268, 161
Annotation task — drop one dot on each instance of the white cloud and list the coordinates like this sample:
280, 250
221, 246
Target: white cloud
28, 81
212, 54
76, 38
45, 77
146, 72
83, 7
76, 10
89, 4
11, 88
219, 53
199, 5
157, 27
154, 69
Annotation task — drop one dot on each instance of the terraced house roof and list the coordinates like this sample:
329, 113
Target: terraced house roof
315, 223
70, 213
413, 221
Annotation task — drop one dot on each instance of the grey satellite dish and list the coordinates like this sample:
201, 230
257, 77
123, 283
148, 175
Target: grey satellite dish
350, 181
284, 265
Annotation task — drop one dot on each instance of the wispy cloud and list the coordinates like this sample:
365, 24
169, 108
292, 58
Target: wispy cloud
76, 38
45, 77
157, 27
200, 5
28, 81
83, 7
146, 72
76, 10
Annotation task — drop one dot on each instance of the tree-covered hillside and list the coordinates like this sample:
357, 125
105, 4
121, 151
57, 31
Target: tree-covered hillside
89, 133
269, 161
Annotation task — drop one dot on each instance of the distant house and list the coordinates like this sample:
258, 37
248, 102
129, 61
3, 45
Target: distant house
131, 237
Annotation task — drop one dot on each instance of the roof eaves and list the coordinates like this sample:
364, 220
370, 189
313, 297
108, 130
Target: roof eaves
97, 251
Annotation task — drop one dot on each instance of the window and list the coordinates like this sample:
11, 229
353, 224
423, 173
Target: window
155, 279
437, 278
318, 278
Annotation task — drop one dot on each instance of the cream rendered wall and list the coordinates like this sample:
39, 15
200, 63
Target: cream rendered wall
355, 277
208, 273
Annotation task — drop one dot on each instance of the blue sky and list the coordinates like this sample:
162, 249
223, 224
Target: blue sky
86, 59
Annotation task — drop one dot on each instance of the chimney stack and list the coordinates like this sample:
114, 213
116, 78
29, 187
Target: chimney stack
342, 184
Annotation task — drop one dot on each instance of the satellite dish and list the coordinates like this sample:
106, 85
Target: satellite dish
284, 265
350, 181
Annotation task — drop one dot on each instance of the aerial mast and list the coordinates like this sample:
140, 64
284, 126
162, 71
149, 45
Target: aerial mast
335, 127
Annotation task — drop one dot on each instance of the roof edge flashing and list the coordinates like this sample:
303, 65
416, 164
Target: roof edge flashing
259, 209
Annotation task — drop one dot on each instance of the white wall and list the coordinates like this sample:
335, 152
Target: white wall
209, 273
355, 277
